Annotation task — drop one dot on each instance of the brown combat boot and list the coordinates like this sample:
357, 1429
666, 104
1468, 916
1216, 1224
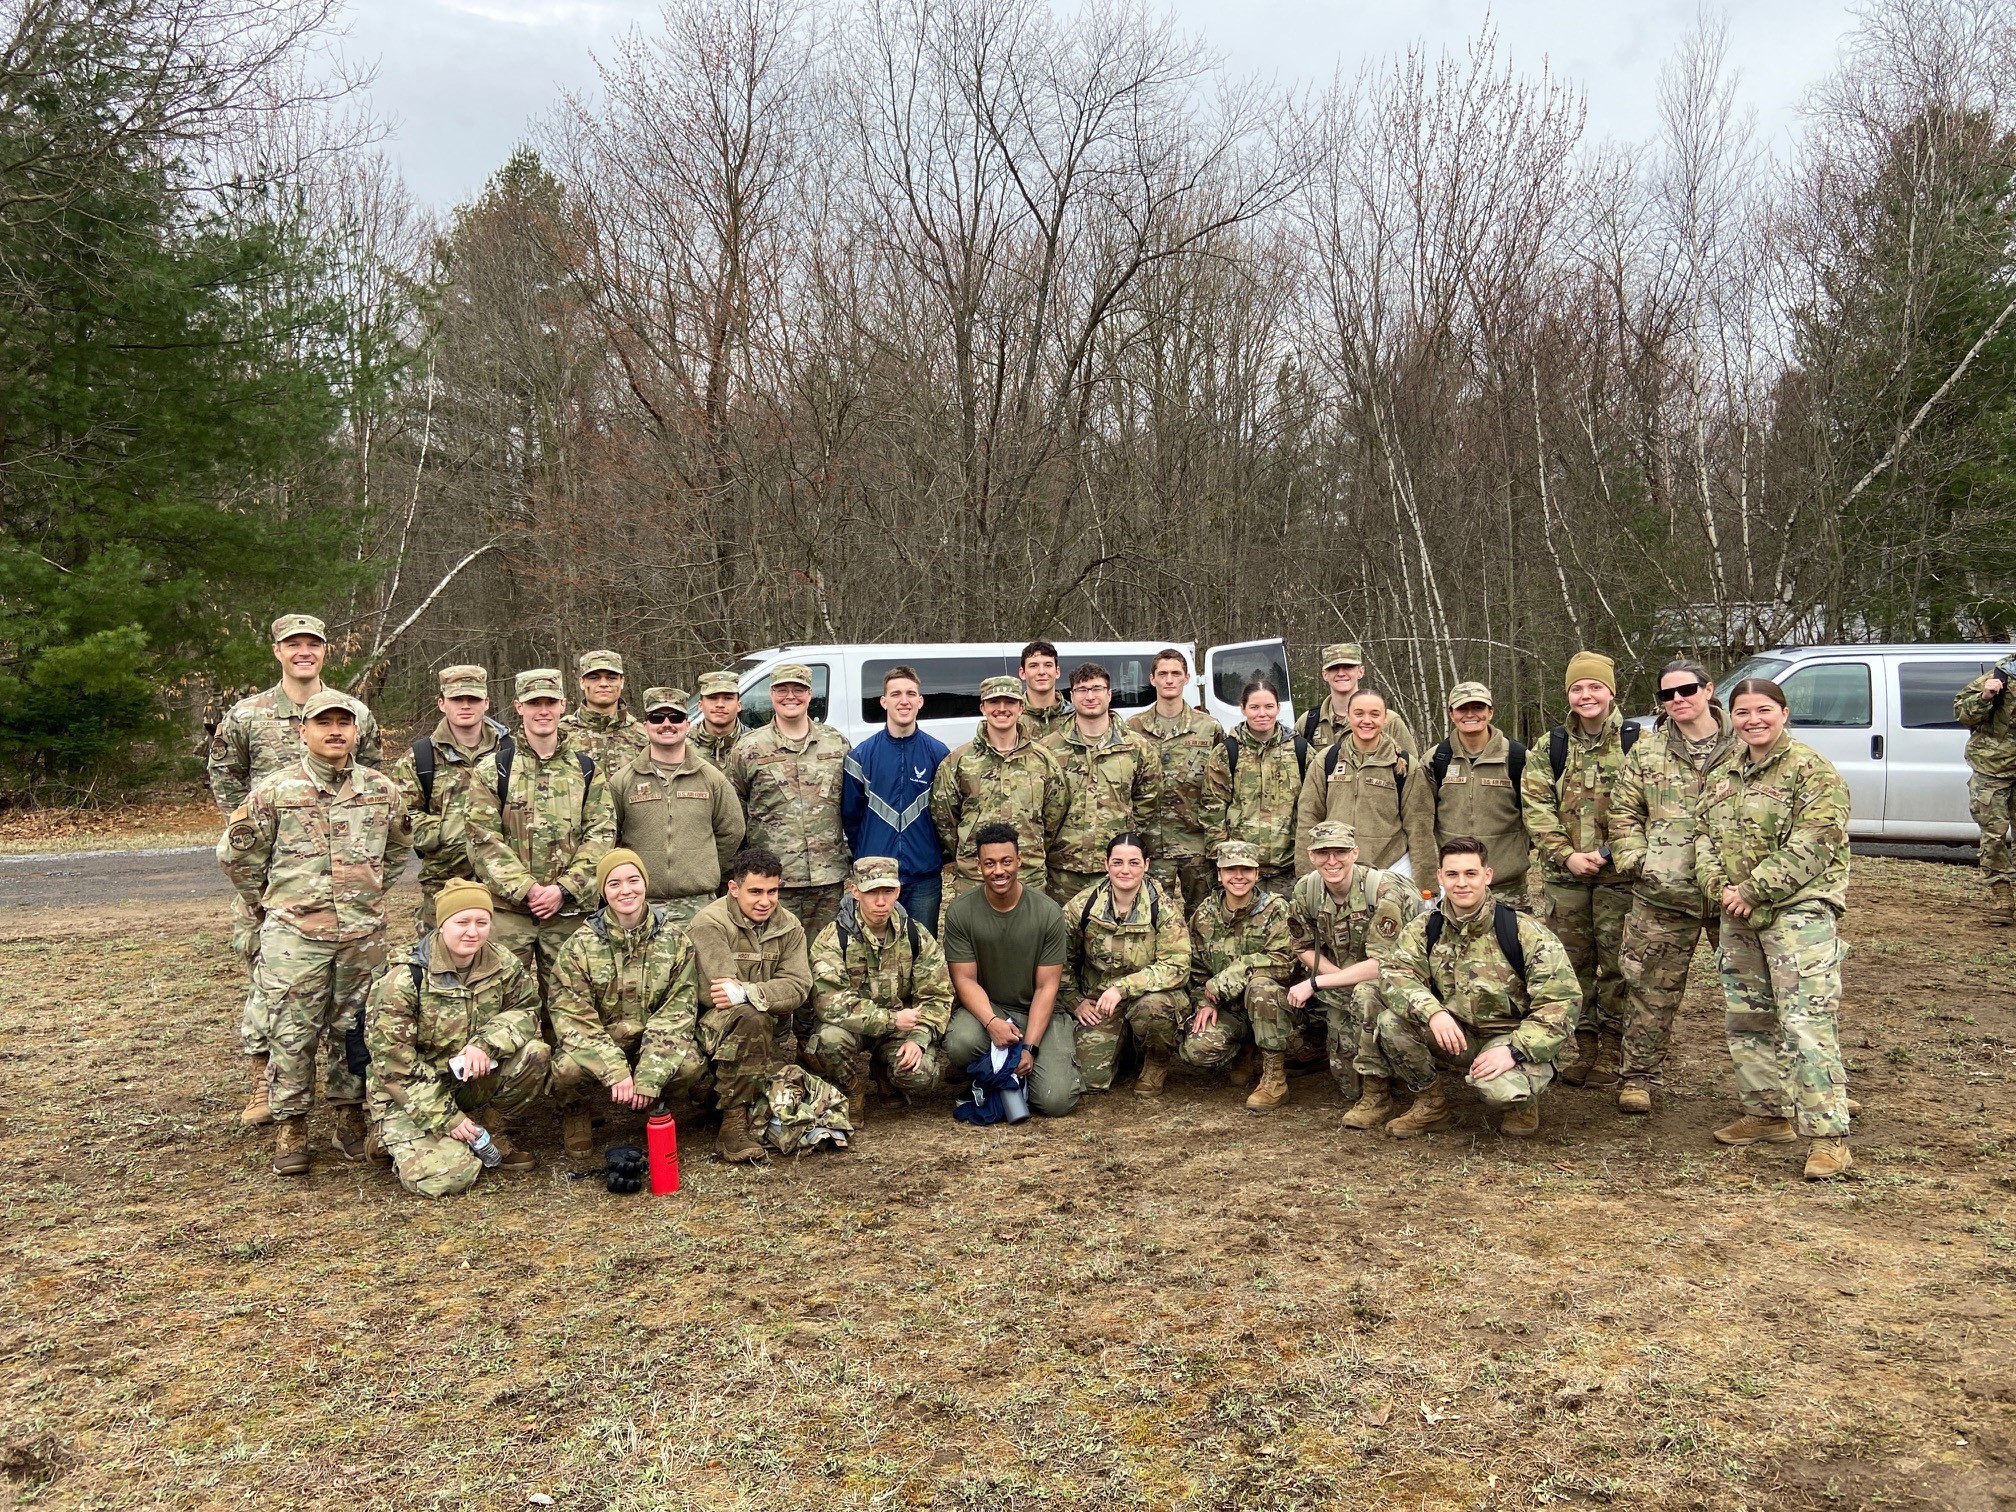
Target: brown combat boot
1604, 1071
735, 1144
517, 1159
1522, 1122
374, 1147
1577, 1071
291, 1155
1243, 1070
1374, 1105
1635, 1096
1750, 1129
349, 1137
857, 1097
1827, 1158
2001, 904
577, 1131
1154, 1073
1431, 1110
1273, 1088
258, 1112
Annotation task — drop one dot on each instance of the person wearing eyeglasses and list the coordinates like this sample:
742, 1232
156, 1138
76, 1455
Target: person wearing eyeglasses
1652, 804
676, 811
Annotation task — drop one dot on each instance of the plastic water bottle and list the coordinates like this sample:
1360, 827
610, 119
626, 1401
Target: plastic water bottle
485, 1149
661, 1141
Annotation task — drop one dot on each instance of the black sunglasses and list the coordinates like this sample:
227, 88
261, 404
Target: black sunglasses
1685, 690
666, 716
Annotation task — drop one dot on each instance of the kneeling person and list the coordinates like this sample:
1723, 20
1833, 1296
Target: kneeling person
453, 1033
1127, 965
1479, 988
1241, 954
880, 991
624, 1012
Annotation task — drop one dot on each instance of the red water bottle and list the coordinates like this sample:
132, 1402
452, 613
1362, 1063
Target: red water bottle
661, 1141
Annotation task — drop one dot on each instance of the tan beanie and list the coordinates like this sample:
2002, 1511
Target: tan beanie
614, 859
457, 896
1593, 665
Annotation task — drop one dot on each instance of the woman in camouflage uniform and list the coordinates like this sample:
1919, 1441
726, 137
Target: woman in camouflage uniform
1126, 964
1241, 954
1251, 783
1772, 851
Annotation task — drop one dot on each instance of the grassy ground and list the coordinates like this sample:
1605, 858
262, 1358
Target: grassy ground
142, 826
1145, 1305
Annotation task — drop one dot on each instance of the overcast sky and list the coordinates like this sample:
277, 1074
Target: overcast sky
462, 80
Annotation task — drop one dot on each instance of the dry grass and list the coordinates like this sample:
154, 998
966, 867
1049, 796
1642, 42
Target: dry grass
141, 826
1172, 1305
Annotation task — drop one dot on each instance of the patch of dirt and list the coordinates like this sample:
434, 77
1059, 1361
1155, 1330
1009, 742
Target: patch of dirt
134, 826
1167, 1304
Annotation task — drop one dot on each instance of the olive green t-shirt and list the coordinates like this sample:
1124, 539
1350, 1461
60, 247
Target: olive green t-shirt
1006, 947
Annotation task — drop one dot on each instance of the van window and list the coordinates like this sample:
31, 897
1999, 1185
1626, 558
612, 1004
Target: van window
1131, 688
1926, 689
1833, 695
1232, 669
951, 684
756, 710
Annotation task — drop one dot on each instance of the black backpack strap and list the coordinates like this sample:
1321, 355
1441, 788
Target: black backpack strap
1330, 758
1438, 764
507, 752
1515, 768
916, 944
1309, 723
1400, 775
1557, 750
423, 768
1505, 924
1301, 757
1628, 736
1232, 753
587, 776
1434, 930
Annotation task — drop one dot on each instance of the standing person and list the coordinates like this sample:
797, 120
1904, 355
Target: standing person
1112, 782
676, 812
1772, 853
434, 774
721, 725
1126, 969
312, 852
625, 1007
1990, 715
788, 776
1566, 800
1000, 776
1006, 944
1330, 721
880, 992
453, 1034
1344, 919
1478, 989
1652, 829
1362, 782
1043, 711
1476, 774
755, 981
537, 818
260, 735
1252, 782
1183, 739
1241, 954
602, 726
885, 797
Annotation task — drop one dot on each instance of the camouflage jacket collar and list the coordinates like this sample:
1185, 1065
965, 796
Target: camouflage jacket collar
1115, 736
982, 743
1609, 731
603, 922
600, 723
283, 705
329, 780
854, 927
563, 749
1105, 909
1753, 765
1278, 736
813, 730
1480, 922
486, 963
445, 748
1156, 724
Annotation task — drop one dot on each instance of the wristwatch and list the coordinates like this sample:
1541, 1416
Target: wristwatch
1518, 1055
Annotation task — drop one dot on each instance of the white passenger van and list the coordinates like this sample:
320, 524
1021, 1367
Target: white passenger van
847, 680
1884, 716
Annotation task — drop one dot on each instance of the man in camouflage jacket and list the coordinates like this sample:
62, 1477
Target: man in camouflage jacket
464, 735
1183, 739
602, 725
788, 775
720, 728
1112, 783
1142, 957
1989, 712
1241, 955
998, 777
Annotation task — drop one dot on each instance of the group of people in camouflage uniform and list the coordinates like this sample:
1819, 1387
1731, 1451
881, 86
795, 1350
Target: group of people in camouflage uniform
620, 912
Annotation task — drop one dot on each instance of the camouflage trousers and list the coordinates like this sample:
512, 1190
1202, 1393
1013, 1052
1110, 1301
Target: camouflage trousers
1054, 1082
681, 910
314, 991
1783, 986
1342, 1021
1513, 895
1410, 1056
840, 1055
433, 1165
570, 1082
740, 1043
1589, 922
1191, 876
1063, 886
1658, 948
535, 942
1992, 802
813, 907
1155, 1022
255, 1024
1216, 1048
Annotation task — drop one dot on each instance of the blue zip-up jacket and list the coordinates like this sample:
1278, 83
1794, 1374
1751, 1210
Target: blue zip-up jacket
885, 801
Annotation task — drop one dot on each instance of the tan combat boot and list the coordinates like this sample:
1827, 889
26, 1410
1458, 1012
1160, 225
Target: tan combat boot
349, 1136
1750, 1129
1374, 1105
1431, 1110
1154, 1073
1522, 1122
735, 1144
2001, 904
1273, 1088
1241, 1074
258, 1112
374, 1147
857, 1099
1603, 1071
517, 1159
1635, 1096
1827, 1158
1576, 1072
577, 1131
291, 1156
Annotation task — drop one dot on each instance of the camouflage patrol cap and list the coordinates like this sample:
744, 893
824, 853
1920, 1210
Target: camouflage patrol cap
538, 682
1332, 835
1343, 654
665, 698
791, 672
299, 624
598, 661
871, 872
466, 681
719, 682
327, 699
1469, 693
1002, 687
1238, 853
